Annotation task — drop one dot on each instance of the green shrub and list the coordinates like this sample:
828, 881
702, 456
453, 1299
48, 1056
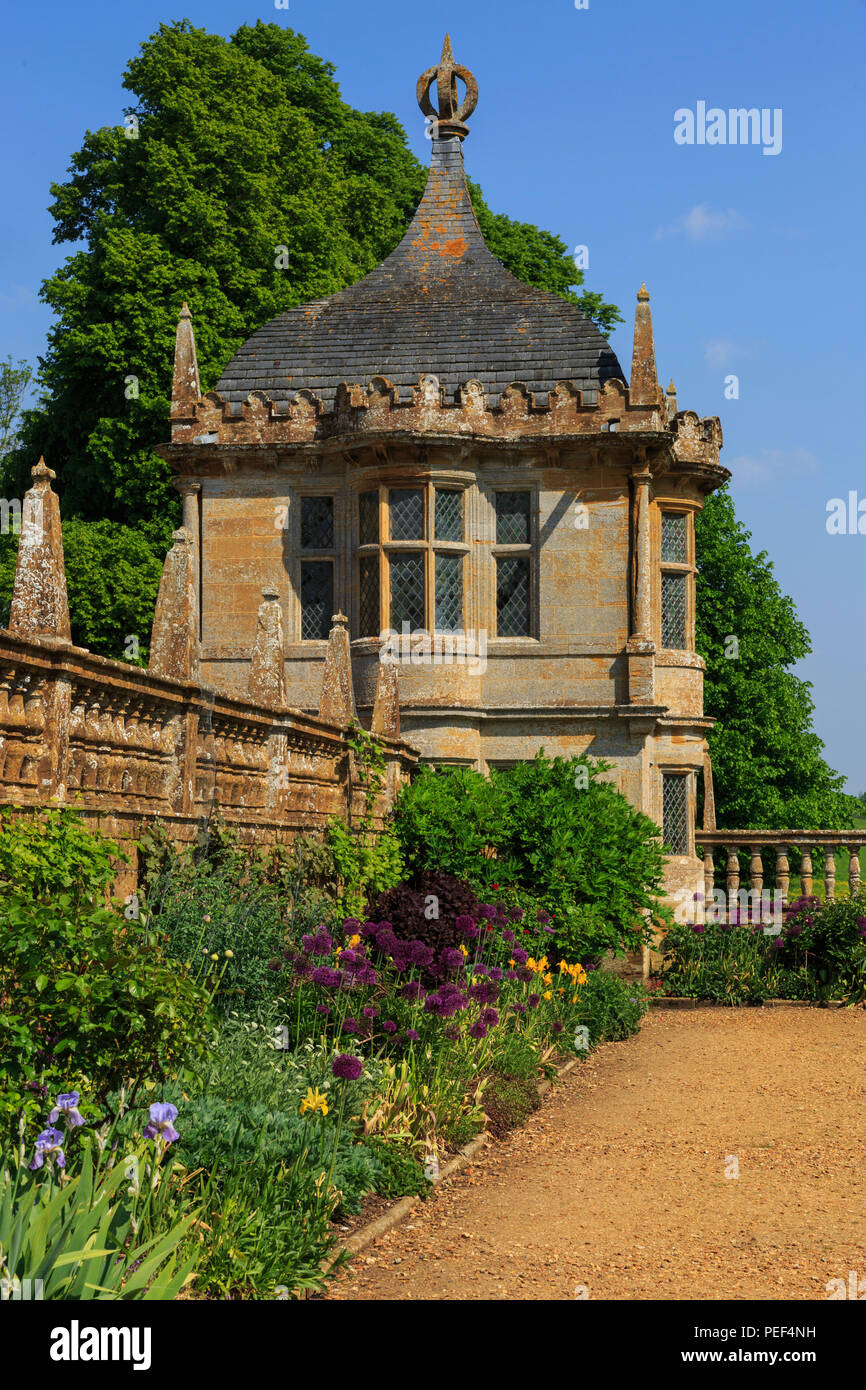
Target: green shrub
91, 1000
53, 852
560, 834
509, 1101
611, 1008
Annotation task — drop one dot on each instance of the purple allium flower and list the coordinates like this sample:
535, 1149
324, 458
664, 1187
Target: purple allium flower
366, 975
524, 974
322, 943
389, 1026
323, 1009
350, 1025
325, 976
557, 1027
797, 930
542, 916
466, 926
452, 1032
161, 1116
346, 1067
861, 923
369, 1011
698, 928
349, 957
495, 972
862, 932
351, 926
49, 1144
516, 914
520, 956
67, 1106
450, 959
487, 911
534, 1001
411, 1034
519, 1008
275, 965
508, 936
478, 1030
422, 954
413, 990
482, 969
489, 1017
778, 942
551, 931
511, 975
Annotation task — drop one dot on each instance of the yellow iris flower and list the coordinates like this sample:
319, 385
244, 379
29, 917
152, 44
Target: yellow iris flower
314, 1100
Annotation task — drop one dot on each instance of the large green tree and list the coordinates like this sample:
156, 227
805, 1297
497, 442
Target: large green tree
232, 148
768, 764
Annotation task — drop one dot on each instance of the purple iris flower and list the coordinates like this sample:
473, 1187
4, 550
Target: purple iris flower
162, 1113
49, 1144
67, 1106
346, 1067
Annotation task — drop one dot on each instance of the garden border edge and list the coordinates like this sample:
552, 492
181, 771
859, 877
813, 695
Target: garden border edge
392, 1218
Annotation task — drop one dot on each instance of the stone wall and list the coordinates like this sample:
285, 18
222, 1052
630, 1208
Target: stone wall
123, 746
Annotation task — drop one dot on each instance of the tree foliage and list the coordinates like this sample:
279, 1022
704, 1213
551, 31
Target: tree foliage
232, 148
768, 764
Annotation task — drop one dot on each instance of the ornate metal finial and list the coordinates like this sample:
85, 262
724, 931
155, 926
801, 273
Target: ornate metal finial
452, 115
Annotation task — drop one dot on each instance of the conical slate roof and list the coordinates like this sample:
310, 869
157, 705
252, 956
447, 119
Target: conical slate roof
441, 304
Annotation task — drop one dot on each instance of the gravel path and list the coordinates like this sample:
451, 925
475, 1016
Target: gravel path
618, 1183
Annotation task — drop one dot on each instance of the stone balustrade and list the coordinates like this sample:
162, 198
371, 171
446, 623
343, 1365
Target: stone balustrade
818, 850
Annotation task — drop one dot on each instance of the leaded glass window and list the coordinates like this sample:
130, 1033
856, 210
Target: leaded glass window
449, 593
512, 596
675, 811
406, 509
368, 509
317, 523
369, 614
674, 610
449, 515
512, 518
317, 599
675, 546
407, 589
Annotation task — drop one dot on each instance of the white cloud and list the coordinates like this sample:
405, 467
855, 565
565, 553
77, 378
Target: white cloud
771, 466
719, 352
702, 223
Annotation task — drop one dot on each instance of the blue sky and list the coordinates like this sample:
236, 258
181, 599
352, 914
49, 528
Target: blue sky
753, 261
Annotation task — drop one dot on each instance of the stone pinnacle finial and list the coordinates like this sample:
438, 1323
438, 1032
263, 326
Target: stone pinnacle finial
644, 388
452, 114
185, 389
39, 603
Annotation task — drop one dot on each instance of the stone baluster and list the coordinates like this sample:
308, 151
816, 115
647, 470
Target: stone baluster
756, 877
709, 877
806, 872
733, 877
829, 873
783, 873
854, 871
